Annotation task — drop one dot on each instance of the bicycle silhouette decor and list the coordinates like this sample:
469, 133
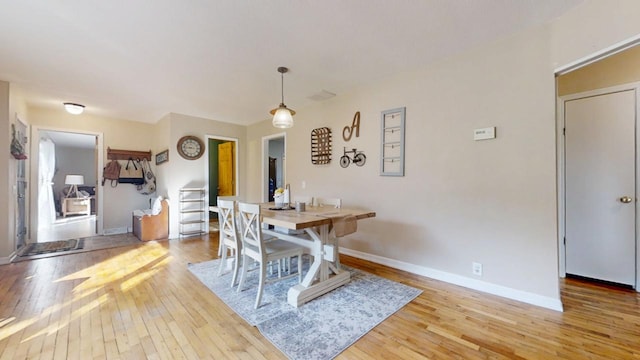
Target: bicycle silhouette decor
357, 158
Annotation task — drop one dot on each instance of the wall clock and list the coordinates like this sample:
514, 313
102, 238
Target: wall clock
190, 147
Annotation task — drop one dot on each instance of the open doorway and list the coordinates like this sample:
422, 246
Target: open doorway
223, 171
273, 164
66, 196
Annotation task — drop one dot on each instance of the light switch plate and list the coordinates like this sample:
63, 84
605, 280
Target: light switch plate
484, 134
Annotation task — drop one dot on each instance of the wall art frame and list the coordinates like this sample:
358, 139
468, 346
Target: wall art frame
162, 157
321, 146
392, 137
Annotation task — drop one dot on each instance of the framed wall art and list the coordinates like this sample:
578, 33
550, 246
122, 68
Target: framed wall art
392, 142
162, 157
321, 146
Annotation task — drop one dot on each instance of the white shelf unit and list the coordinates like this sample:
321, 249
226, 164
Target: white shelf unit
192, 212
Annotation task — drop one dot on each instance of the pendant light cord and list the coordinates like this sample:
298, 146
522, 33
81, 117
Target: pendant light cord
282, 86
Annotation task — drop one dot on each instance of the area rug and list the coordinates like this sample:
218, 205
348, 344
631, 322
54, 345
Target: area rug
319, 329
51, 247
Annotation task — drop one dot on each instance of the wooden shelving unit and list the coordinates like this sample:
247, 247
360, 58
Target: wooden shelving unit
192, 212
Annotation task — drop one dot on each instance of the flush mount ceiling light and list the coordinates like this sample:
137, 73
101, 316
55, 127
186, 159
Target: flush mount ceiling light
72, 108
282, 115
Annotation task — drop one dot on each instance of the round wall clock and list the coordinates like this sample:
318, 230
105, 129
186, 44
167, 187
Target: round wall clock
190, 147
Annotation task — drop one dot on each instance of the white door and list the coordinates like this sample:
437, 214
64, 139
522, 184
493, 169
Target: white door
600, 187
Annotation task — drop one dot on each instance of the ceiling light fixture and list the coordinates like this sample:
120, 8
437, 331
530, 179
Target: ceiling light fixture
282, 115
72, 108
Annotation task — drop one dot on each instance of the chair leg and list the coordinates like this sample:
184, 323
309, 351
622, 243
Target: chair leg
236, 266
223, 262
243, 274
263, 270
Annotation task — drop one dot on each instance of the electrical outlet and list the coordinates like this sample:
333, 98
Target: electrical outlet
477, 269
304, 184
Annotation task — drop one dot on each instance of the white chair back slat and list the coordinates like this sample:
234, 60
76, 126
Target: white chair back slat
335, 202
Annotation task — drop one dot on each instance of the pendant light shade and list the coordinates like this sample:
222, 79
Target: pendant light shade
282, 115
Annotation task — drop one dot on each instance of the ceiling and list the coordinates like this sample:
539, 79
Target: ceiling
217, 59
72, 140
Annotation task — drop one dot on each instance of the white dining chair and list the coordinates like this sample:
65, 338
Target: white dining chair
308, 200
216, 209
254, 247
335, 202
230, 243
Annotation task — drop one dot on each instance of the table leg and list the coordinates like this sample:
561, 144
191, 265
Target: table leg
308, 290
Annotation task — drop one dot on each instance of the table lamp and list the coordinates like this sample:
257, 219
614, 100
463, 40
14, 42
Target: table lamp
74, 181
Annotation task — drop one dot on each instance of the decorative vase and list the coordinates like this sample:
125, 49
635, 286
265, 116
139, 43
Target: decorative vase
278, 199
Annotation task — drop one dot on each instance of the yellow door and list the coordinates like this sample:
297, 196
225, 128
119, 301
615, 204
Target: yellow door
226, 175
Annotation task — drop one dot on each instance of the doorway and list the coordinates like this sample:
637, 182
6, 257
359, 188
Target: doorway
21, 187
600, 191
223, 170
273, 164
608, 72
67, 192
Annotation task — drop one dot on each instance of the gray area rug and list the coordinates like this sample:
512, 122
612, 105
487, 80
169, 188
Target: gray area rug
319, 329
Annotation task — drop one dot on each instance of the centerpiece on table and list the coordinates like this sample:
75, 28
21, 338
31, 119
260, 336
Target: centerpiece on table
278, 197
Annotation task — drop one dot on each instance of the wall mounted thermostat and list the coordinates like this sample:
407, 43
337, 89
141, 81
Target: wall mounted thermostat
484, 134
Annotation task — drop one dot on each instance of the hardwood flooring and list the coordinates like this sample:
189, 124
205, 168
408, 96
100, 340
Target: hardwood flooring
141, 302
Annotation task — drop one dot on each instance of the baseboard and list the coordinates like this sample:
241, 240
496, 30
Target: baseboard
8, 259
114, 231
503, 291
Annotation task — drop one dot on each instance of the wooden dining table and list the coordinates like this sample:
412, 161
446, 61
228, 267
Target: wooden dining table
324, 273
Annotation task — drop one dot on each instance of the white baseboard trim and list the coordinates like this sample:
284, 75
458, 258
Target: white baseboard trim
8, 259
114, 231
503, 291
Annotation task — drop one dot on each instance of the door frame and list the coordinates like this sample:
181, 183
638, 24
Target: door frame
265, 163
34, 173
635, 86
236, 161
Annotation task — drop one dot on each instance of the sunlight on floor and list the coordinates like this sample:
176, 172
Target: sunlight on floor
68, 228
98, 282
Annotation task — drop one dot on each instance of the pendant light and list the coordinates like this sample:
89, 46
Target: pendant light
282, 115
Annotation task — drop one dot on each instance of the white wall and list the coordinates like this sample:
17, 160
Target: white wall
461, 201
7, 240
179, 172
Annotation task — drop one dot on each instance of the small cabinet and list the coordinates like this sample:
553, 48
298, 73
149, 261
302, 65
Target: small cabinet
192, 212
392, 142
76, 206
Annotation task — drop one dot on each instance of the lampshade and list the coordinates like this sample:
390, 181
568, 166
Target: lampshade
72, 108
282, 115
74, 180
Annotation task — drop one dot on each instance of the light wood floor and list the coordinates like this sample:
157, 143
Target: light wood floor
141, 302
